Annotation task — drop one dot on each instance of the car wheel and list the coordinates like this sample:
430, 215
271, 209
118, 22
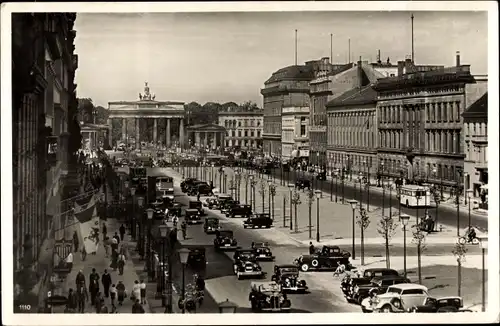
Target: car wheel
304, 267
315, 263
387, 308
244, 226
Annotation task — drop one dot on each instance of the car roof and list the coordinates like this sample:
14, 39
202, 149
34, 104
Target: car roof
448, 298
286, 266
388, 277
404, 286
380, 269
244, 250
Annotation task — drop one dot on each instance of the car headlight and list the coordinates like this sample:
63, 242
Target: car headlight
303, 282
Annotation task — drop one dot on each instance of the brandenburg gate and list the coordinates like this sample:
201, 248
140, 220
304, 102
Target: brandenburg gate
148, 108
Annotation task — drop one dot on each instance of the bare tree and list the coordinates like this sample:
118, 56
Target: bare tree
310, 201
419, 240
387, 229
363, 220
459, 251
262, 191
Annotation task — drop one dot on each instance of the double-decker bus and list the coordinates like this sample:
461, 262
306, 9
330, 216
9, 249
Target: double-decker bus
165, 186
415, 196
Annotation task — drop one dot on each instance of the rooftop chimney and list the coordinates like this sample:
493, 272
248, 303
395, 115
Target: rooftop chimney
360, 73
378, 57
458, 59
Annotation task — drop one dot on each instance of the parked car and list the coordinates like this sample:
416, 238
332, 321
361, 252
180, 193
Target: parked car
399, 298
445, 304
302, 184
195, 204
201, 188
349, 282
326, 258
262, 252
268, 297
288, 277
239, 210
187, 183
210, 202
196, 258
221, 198
226, 205
377, 284
192, 216
175, 209
224, 240
258, 220
211, 225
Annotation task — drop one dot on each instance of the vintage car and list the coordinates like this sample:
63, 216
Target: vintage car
258, 220
326, 258
349, 282
302, 184
196, 204
377, 285
239, 210
192, 188
192, 216
226, 205
159, 213
224, 240
175, 209
210, 202
262, 251
196, 258
288, 277
221, 199
187, 183
211, 225
203, 189
268, 297
398, 298
245, 265
445, 304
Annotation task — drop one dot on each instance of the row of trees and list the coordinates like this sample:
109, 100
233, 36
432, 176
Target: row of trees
208, 112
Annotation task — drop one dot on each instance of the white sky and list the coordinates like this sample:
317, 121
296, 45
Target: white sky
225, 57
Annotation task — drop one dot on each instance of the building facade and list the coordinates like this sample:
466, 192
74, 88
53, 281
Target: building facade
243, 128
287, 87
352, 132
476, 146
43, 94
295, 132
420, 124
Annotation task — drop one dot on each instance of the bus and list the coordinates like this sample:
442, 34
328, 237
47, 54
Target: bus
415, 196
165, 186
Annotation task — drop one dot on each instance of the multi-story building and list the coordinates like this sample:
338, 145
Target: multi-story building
352, 131
243, 127
295, 132
43, 68
287, 87
420, 123
476, 146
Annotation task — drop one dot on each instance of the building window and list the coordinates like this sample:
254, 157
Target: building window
258, 123
246, 133
251, 133
239, 123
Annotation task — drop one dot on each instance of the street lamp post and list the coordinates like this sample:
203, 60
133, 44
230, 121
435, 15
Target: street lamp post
343, 193
212, 172
238, 179
483, 240
253, 182
310, 199
296, 201
336, 174
183, 255
140, 224
132, 217
389, 185
149, 260
291, 187
360, 181
469, 193
161, 288
405, 218
353, 204
227, 307
383, 187
272, 193
363, 222
318, 196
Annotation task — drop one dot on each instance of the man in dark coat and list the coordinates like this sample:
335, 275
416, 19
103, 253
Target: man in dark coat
106, 282
104, 230
76, 243
311, 248
72, 301
137, 308
122, 232
93, 286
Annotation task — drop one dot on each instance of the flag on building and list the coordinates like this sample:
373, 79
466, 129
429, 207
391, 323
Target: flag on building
88, 221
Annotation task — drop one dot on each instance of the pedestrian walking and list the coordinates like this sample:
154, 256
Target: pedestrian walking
112, 294
72, 304
121, 292
136, 291
75, 241
106, 282
114, 244
122, 232
93, 286
80, 278
82, 297
121, 263
114, 260
69, 261
117, 237
104, 310
107, 246
184, 230
311, 248
99, 301
137, 307
175, 220
104, 230
143, 292
84, 253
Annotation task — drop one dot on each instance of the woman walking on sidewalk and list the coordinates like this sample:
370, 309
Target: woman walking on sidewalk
75, 241
122, 293
121, 263
112, 294
82, 296
143, 292
136, 291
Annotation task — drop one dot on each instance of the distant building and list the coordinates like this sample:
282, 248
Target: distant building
352, 131
295, 132
476, 146
287, 87
243, 128
420, 117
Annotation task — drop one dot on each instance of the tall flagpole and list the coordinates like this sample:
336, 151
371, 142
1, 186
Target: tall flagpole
349, 54
412, 48
331, 48
295, 47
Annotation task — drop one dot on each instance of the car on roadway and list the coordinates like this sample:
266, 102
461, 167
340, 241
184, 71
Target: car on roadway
349, 282
226, 205
258, 220
399, 298
211, 225
196, 204
262, 251
287, 275
245, 265
192, 216
268, 297
209, 202
377, 284
224, 240
302, 184
444, 304
196, 258
327, 258
239, 210
203, 189
244, 255
187, 183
